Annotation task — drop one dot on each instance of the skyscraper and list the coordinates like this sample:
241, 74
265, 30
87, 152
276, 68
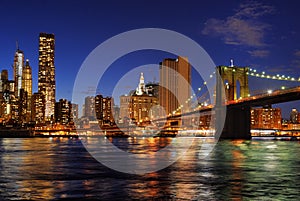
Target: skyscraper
27, 86
175, 83
46, 75
63, 110
104, 109
37, 108
18, 69
89, 107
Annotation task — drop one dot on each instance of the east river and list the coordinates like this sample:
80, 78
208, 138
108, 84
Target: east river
61, 168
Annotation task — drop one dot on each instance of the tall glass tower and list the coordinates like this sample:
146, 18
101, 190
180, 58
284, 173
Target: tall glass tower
18, 68
27, 86
46, 76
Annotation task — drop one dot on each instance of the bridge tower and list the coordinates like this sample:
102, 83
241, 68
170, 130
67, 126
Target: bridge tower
234, 77
237, 121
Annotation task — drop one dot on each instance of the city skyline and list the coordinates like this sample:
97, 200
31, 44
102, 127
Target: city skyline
261, 35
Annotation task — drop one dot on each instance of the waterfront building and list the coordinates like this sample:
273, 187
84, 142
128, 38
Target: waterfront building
294, 116
175, 83
116, 113
104, 110
89, 107
18, 69
4, 83
22, 107
27, 86
38, 108
46, 75
125, 110
266, 118
137, 106
75, 111
63, 111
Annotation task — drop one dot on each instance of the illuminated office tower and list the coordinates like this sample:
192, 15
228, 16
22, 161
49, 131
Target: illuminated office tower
18, 69
104, 109
46, 75
37, 108
63, 110
175, 81
27, 86
89, 107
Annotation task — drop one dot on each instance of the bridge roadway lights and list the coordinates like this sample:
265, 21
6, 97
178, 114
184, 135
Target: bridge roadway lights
237, 123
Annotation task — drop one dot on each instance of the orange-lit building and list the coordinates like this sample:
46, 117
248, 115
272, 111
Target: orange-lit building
137, 106
27, 86
37, 108
266, 118
46, 75
175, 81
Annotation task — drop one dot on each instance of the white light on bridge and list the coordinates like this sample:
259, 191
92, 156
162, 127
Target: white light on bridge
283, 87
270, 91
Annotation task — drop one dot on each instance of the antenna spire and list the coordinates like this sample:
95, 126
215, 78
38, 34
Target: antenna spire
231, 63
17, 44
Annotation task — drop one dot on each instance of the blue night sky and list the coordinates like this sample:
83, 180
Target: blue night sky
261, 34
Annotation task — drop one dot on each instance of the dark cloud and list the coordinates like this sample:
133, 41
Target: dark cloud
259, 53
242, 28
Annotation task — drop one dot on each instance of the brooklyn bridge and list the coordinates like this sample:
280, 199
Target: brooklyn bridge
237, 102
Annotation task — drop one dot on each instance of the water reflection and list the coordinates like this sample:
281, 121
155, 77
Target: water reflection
57, 168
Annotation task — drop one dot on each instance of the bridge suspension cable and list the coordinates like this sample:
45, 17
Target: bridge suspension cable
196, 94
254, 73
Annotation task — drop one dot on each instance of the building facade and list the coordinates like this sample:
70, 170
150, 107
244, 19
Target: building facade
266, 118
89, 107
38, 108
137, 106
18, 70
294, 116
104, 110
75, 111
63, 112
175, 83
46, 75
27, 87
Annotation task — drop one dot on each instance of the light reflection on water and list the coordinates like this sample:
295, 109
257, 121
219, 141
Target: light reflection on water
39, 168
